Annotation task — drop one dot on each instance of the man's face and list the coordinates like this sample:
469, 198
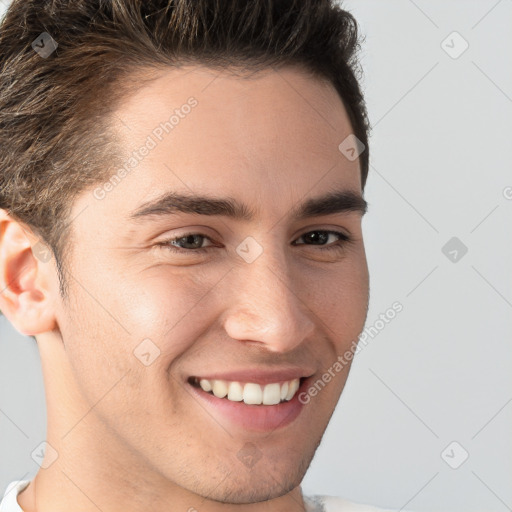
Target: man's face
268, 300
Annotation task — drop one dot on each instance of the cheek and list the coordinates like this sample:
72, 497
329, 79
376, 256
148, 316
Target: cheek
108, 331
170, 309
340, 299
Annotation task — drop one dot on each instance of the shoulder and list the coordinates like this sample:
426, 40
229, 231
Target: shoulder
324, 503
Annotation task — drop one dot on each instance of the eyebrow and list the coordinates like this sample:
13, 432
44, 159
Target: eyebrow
171, 203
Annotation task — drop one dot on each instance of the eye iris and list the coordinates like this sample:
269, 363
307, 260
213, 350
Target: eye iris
316, 236
187, 240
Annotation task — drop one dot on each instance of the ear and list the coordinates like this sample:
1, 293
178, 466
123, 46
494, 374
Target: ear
26, 271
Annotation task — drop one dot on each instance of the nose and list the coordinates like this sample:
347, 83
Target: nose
268, 306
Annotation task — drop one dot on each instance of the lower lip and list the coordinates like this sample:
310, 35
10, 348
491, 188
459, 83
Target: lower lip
260, 418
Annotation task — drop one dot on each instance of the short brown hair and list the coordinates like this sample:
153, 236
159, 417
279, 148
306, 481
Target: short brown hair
55, 110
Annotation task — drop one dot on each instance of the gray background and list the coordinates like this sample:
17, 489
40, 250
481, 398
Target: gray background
440, 371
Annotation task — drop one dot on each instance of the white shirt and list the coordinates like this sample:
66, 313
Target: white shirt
315, 503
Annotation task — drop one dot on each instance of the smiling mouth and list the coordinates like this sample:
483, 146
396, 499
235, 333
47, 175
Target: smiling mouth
250, 393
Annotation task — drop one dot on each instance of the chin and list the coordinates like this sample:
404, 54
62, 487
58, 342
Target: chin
253, 491
262, 482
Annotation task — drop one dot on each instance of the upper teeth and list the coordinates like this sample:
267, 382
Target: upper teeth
251, 393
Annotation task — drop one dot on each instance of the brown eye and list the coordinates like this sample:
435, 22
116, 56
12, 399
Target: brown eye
321, 237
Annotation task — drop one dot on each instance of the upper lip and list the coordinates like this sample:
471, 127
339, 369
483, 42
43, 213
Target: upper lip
258, 376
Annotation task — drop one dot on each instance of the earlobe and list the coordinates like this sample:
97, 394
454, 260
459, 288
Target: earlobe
25, 298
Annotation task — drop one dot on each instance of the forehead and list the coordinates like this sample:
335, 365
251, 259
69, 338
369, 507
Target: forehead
286, 91
268, 138
247, 116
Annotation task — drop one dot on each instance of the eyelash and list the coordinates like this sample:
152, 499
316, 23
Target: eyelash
337, 246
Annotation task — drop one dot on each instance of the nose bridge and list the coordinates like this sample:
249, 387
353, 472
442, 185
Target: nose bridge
264, 304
